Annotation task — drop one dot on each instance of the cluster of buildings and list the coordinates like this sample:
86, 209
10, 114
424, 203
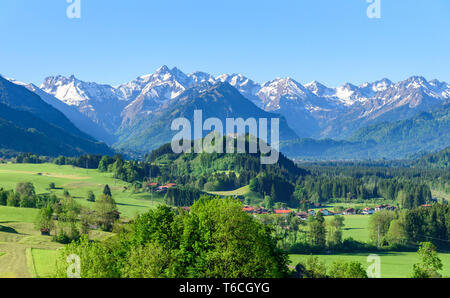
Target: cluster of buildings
314, 212
155, 187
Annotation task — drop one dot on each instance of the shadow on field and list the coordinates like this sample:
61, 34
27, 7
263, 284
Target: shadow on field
7, 229
131, 205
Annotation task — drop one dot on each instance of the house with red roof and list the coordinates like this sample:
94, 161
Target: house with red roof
368, 211
284, 212
326, 212
248, 209
349, 211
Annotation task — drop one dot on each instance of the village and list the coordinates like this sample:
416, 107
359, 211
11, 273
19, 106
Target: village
316, 208
313, 212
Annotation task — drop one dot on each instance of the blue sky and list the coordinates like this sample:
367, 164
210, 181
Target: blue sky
330, 41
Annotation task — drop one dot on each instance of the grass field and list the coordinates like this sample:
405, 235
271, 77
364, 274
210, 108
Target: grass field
356, 227
44, 262
393, 264
23, 251
18, 237
78, 182
238, 192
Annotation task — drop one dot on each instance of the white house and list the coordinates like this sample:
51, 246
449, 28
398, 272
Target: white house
368, 211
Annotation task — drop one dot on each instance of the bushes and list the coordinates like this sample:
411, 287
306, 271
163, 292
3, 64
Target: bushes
347, 270
215, 240
90, 196
24, 197
313, 268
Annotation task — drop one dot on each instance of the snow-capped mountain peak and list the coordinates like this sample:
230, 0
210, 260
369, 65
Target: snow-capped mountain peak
320, 89
300, 104
200, 77
74, 92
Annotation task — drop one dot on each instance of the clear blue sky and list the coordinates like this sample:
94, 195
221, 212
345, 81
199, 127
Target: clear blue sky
332, 41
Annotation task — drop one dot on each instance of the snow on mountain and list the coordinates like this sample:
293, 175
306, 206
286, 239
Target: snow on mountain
101, 103
302, 105
377, 86
149, 92
320, 89
84, 123
74, 92
202, 77
272, 92
244, 85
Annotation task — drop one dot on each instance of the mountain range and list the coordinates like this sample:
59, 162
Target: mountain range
29, 124
426, 131
135, 115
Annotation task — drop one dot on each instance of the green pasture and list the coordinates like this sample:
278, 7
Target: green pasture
18, 239
24, 252
238, 192
78, 182
393, 264
355, 226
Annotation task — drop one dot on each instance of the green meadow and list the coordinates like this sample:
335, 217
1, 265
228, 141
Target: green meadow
23, 251
356, 227
78, 182
26, 253
393, 264
18, 239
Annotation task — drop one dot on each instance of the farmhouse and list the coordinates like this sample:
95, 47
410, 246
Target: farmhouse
368, 211
349, 211
45, 232
312, 212
282, 211
164, 188
384, 207
326, 212
302, 215
248, 209
261, 211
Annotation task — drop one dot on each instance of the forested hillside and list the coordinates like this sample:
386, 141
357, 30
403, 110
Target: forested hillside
389, 140
439, 160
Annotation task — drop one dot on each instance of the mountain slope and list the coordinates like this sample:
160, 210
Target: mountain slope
81, 121
21, 131
439, 160
30, 124
19, 98
311, 110
425, 131
391, 140
103, 104
220, 101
